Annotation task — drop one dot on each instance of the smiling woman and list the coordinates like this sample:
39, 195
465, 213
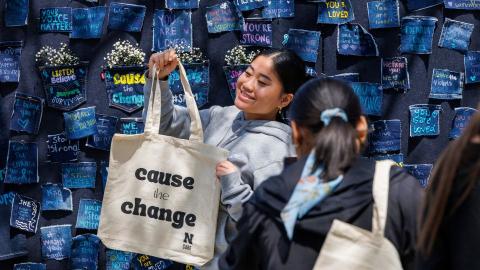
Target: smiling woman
253, 130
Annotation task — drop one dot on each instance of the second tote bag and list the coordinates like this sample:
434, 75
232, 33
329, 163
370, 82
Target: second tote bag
162, 196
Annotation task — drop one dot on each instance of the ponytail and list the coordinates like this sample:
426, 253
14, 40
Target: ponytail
335, 139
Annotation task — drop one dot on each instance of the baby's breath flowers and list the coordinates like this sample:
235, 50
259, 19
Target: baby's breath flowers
189, 55
125, 53
49, 56
238, 55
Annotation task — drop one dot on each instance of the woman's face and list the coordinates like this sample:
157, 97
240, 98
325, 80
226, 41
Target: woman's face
259, 92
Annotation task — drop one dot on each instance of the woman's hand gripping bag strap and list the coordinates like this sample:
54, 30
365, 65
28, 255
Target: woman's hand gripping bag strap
348, 247
162, 196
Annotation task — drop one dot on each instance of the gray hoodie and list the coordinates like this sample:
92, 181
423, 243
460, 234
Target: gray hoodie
257, 148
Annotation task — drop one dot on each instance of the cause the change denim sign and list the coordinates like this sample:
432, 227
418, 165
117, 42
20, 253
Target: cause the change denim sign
25, 213
460, 121
424, 120
371, 97
395, 73
126, 17
10, 52
85, 249
420, 171
80, 123
88, 215
472, 67
22, 163
125, 87
456, 35
417, 34
353, 39
79, 175
88, 22
446, 84
222, 17
303, 42
198, 75
65, 86
27, 113
383, 14
16, 12
56, 241
56, 198
170, 28
335, 12
385, 136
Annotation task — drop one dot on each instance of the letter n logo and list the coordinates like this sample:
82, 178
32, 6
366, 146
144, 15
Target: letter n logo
188, 238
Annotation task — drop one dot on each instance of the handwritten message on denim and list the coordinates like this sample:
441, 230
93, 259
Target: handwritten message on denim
57, 19
417, 34
118, 260
171, 28
222, 17
16, 12
25, 213
383, 14
424, 120
456, 35
56, 198
303, 42
198, 76
88, 215
60, 149
232, 73
460, 121
462, 4
27, 113
472, 67
245, 5
131, 125
385, 136
79, 175
420, 171
56, 241
80, 123
88, 22
395, 73
30, 266
335, 12
257, 33
22, 163
10, 61
126, 17
106, 127
279, 9
85, 249
353, 39
371, 97
181, 4
446, 84
146, 262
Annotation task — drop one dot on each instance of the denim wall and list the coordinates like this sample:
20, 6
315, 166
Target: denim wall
416, 150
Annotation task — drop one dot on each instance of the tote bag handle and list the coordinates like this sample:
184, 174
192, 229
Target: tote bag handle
153, 118
381, 185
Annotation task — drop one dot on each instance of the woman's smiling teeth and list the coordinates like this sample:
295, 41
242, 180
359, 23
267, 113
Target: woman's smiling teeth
247, 95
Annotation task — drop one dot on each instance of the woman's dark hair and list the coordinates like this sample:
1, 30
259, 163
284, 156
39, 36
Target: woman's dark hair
291, 71
335, 145
439, 199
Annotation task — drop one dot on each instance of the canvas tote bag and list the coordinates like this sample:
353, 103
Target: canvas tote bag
162, 195
349, 247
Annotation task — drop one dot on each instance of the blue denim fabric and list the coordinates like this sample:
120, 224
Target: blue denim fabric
80, 123
181, 4
383, 14
424, 120
145, 262
56, 198
16, 12
30, 266
398, 158
131, 125
303, 42
85, 249
11, 246
417, 34
371, 97
222, 17
126, 17
88, 22
27, 113
335, 12
106, 128
420, 171
125, 87
232, 73
422, 4
279, 9
65, 86
446, 84
60, 149
353, 39
56, 241
462, 4
62, 22
10, 52
79, 175
22, 163
245, 5
104, 173
88, 215
163, 23
395, 73
25, 213
199, 78
472, 67
456, 35
257, 33
385, 136
118, 260
462, 117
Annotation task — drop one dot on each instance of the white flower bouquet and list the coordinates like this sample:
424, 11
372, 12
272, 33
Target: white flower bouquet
125, 53
52, 57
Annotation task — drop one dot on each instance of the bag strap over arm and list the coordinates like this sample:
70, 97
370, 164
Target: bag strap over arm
381, 184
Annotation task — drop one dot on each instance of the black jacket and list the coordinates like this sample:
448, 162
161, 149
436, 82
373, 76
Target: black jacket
262, 242
457, 245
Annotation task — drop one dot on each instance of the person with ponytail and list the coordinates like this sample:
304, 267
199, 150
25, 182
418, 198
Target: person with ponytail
449, 236
285, 223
